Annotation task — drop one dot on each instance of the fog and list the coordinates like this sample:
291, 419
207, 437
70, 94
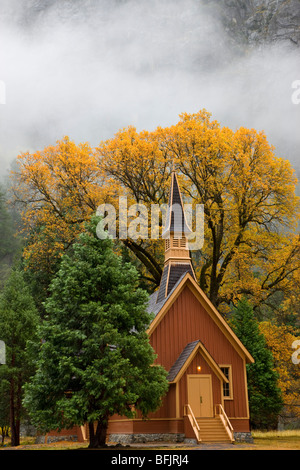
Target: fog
87, 68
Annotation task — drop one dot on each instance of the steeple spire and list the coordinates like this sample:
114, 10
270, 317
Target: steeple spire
175, 221
177, 254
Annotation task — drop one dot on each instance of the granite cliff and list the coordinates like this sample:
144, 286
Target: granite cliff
250, 21
257, 21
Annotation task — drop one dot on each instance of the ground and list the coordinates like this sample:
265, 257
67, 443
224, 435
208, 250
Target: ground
281, 440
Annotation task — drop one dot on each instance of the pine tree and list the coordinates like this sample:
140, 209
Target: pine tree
265, 399
9, 243
18, 324
95, 359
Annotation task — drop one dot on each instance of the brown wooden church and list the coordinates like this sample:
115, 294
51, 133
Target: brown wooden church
207, 398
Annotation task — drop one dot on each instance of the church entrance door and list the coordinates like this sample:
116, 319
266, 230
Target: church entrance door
200, 395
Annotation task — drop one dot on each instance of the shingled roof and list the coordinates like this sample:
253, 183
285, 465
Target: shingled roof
175, 219
155, 304
181, 360
171, 274
186, 357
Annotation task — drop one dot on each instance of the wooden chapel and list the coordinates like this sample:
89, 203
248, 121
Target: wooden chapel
207, 399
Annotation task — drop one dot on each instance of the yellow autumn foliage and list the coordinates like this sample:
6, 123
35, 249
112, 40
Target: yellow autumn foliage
250, 207
280, 339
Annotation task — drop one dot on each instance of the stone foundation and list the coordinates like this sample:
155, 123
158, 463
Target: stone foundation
126, 439
50, 439
243, 437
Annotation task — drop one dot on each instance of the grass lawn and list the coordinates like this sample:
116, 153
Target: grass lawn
280, 440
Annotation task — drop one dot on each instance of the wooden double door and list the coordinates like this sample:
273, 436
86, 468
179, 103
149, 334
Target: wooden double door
200, 396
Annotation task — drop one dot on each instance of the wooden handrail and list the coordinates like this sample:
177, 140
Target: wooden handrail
189, 413
83, 432
225, 421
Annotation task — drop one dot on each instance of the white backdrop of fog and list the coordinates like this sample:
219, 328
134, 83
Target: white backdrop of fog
87, 68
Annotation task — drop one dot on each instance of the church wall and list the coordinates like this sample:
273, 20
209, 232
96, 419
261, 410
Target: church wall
187, 321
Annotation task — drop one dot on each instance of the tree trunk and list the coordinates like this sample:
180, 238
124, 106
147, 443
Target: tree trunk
14, 424
15, 407
98, 436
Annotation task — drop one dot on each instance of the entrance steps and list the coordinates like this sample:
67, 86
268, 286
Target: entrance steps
213, 430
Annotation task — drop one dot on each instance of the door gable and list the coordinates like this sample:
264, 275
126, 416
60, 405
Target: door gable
185, 358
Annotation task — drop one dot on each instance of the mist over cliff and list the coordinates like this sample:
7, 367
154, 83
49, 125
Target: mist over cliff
86, 68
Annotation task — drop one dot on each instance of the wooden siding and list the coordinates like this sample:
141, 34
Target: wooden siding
139, 426
187, 321
74, 433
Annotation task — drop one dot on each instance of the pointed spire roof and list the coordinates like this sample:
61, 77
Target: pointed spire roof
177, 254
175, 220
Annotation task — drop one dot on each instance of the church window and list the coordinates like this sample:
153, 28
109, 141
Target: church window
227, 386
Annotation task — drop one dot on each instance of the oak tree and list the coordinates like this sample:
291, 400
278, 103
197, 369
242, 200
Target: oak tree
250, 206
248, 193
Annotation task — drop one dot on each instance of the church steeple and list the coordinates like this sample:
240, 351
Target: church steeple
175, 221
177, 254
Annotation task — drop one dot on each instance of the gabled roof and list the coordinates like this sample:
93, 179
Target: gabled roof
186, 357
161, 308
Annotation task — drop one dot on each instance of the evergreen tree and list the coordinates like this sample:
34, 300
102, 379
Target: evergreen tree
18, 324
10, 238
265, 399
95, 359
7, 241
5, 228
